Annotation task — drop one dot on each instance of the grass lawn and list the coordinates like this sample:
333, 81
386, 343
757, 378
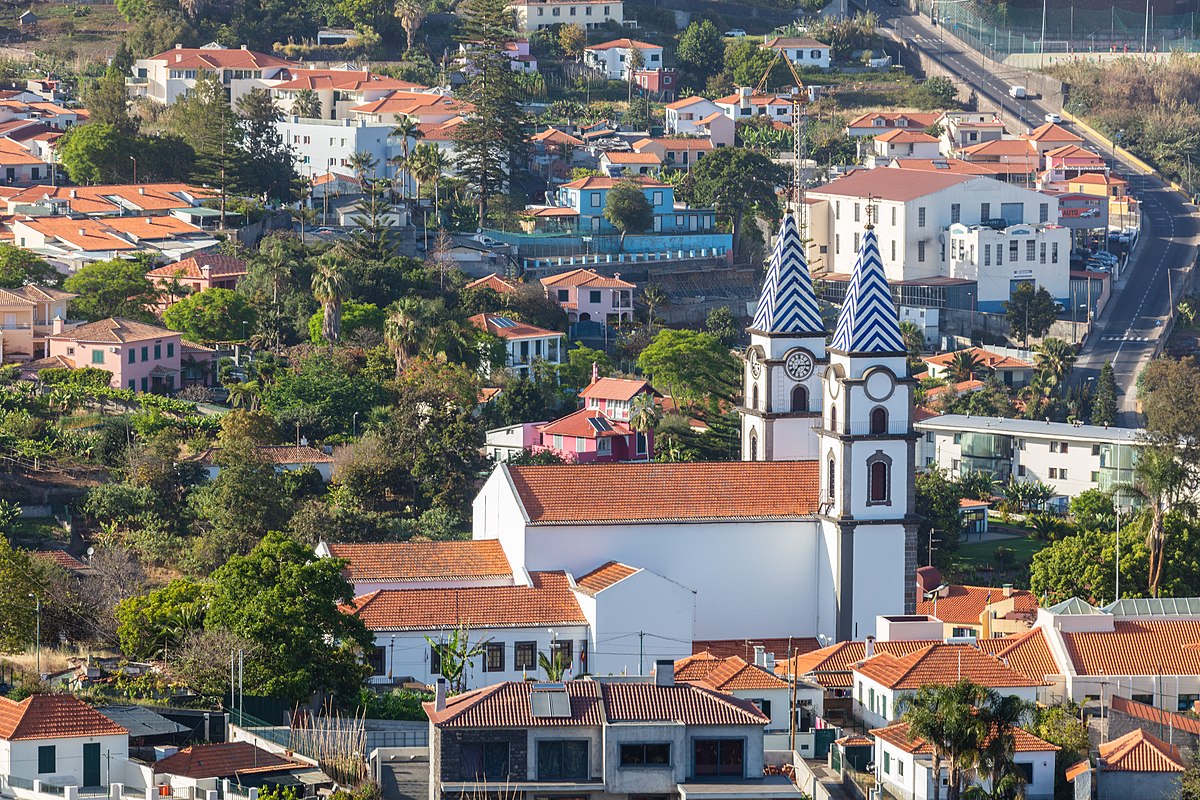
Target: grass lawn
980, 554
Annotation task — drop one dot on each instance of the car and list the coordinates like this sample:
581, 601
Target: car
1053, 118
1093, 267
736, 33
1019, 92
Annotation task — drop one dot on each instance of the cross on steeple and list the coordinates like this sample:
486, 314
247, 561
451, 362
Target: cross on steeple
870, 211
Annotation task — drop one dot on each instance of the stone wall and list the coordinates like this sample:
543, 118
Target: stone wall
452, 758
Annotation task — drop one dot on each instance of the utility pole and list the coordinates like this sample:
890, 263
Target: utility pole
641, 652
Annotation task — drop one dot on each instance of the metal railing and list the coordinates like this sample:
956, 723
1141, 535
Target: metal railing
17, 782
51, 788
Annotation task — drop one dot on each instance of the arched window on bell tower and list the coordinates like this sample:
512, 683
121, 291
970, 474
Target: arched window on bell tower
799, 399
879, 420
754, 398
833, 418
879, 479
832, 468
754, 445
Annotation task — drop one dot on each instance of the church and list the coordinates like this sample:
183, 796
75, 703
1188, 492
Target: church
810, 535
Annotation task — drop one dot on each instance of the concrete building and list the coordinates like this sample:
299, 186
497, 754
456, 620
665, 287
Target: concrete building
745, 103
525, 344
902, 144
338, 90
612, 59
800, 50
877, 122
999, 260
533, 15
28, 315
168, 75
323, 146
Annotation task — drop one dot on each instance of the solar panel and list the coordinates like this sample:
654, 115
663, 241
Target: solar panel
503, 322
600, 424
550, 700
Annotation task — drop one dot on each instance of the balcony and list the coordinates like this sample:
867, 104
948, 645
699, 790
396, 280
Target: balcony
15, 326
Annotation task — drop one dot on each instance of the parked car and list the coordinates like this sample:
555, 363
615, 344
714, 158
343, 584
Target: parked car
1055, 118
736, 33
1093, 266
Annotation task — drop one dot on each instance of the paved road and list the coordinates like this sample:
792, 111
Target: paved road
1128, 331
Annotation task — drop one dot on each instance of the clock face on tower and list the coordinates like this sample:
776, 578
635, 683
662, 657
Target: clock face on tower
755, 364
799, 365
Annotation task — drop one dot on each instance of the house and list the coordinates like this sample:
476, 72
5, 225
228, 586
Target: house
493, 282
1126, 716
975, 611
589, 435
337, 90
207, 767
533, 15
615, 396
198, 273
967, 128
284, 457
525, 344
71, 243
612, 59
659, 84
617, 163
1070, 161
904, 764
143, 199
59, 740
517, 50
588, 197
1140, 765
20, 166
800, 50
168, 75
29, 314
682, 116
425, 565
620, 739
675, 152
1010, 370
876, 122
745, 103
1050, 136
27, 20
587, 295
554, 152
140, 357
512, 440
902, 144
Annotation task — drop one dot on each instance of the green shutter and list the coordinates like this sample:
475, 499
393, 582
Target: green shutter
46, 760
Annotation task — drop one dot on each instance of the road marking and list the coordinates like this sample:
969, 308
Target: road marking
1114, 338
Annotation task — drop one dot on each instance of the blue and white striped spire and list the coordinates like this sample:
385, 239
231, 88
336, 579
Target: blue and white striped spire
788, 303
868, 322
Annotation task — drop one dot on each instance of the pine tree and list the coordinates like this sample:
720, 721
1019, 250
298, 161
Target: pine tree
269, 164
1104, 402
491, 141
204, 120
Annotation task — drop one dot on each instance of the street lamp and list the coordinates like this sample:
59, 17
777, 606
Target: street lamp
354, 422
38, 605
134, 160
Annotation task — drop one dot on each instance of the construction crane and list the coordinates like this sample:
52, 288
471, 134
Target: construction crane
798, 98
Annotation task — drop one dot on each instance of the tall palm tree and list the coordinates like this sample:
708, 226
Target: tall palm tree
432, 164
405, 128
1161, 480
1000, 714
362, 164
328, 282
402, 329
654, 296
1053, 360
644, 415
944, 716
963, 366
245, 393
307, 104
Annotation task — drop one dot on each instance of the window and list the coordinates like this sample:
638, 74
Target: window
435, 659
832, 476
955, 213
170, 349
1062, 474
754, 445
958, 438
561, 649
658, 199
1025, 770
900, 768
97, 355
157, 352
145, 354
871, 699
799, 399
754, 397
562, 760
1146, 699
878, 490
893, 215
1013, 213
493, 657
879, 420
1020, 470
893, 249
1044, 212
1012, 249
145, 384
133, 355
1054, 252
376, 659
856, 212
46, 759
1054, 447
525, 653
887, 763
719, 758
132, 385
594, 296
1187, 700
920, 251
1053, 473
857, 240
999, 255
985, 212
763, 705
1095, 449
1042, 253
646, 755
1030, 249
564, 295
833, 418
987, 255
641, 443
1095, 476
485, 760
921, 217
1062, 446
837, 209
837, 243
595, 195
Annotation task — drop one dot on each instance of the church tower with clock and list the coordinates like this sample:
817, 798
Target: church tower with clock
785, 360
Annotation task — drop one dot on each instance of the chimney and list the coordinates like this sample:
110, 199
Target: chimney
141, 190
1008, 590
760, 653
243, 47
56, 325
178, 46
664, 672
870, 647
744, 96
74, 194
178, 57
82, 232
439, 696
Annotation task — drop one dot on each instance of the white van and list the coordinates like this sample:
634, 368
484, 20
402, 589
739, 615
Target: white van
1017, 92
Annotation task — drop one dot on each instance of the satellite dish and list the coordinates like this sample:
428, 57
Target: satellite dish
91, 551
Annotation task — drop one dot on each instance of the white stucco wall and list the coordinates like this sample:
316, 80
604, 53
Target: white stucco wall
20, 759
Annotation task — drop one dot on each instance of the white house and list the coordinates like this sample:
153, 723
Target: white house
533, 15
338, 90
682, 117
745, 103
1001, 259
800, 50
904, 764
525, 344
323, 146
902, 144
59, 740
612, 59
171, 74
874, 123
371, 566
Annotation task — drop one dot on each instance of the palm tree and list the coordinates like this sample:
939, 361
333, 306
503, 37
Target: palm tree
1053, 360
1160, 480
402, 330
431, 162
1000, 714
411, 14
328, 281
362, 163
307, 104
644, 416
554, 668
457, 655
406, 128
654, 296
245, 393
963, 366
944, 716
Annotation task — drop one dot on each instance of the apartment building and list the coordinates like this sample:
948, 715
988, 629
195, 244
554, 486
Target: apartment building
533, 15
173, 73
29, 314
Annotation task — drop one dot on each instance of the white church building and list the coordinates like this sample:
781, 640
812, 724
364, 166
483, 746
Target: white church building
811, 534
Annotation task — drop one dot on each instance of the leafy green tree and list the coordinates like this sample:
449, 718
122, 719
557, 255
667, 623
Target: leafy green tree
213, 315
576, 372
1161, 480
286, 600
1093, 510
963, 366
151, 624
328, 286
721, 324
96, 153
491, 141
205, 121
693, 366
19, 267
116, 288
321, 394
1104, 401
554, 667
355, 316
20, 576
572, 39
1030, 311
1053, 359
411, 14
1169, 393
914, 344
937, 509
627, 209
1060, 725
737, 182
701, 50
107, 102
745, 63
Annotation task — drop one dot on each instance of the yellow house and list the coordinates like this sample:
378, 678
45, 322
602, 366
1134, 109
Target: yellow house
27, 316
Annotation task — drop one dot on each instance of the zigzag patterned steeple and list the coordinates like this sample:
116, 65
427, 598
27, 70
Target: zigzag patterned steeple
788, 304
868, 321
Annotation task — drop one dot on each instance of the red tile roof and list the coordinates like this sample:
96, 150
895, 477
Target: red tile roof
686, 704
1052, 132
53, 716
344, 80
423, 561
1078, 769
60, 558
1028, 653
549, 601
902, 136
830, 666
890, 184
985, 358
493, 282
1002, 147
616, 389
586, 277
941, 664
726, 674
507, 328
114, 331
555, 136
793, 41
1138, 751
899, 735
1165, 720
415, 104
617, 157
579, 424
779, 646
279, 454
605, 576
948, 165
595, 182
917, 120
965, 604
624, 43
218, 266
696, 666
507, 705
1137, 647
219, 58
224, 760
667, 491
675, 143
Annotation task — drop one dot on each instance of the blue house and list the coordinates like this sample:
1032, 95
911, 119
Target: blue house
588, 196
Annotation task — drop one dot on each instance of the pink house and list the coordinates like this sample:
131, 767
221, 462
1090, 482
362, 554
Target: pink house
589, 435
614, 396
587, 295
141, 357
204, 271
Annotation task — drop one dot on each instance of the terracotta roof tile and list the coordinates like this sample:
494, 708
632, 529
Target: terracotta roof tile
586, 277
586, 423
1138, 751
53, 716
1002, 147
890, 184
675, 143
493, 282
625, 43
114, 331
555, 136
686, 704
696, 666
730, 674
616, 389
1052, 132
986, 358
423, 561
667, 491
902, 136
855, 740
549, 601
1137, 647
415, 104
507, 705
948, 165
917, 120
778, 646
1028, 653
219, 58
940, 664
344, 80
224, 760
793, 41
507, 328
218, 266
965, 604
605, 576
898, 735
617, 157
60, 558
1078, 769
1165, 720
595, 182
